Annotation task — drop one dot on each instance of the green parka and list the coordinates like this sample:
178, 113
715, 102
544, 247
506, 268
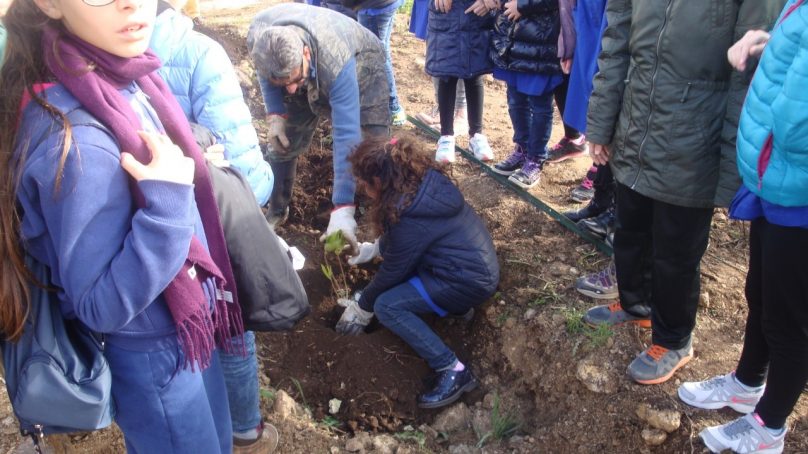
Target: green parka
666, 100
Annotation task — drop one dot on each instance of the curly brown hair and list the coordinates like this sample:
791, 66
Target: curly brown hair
389, 172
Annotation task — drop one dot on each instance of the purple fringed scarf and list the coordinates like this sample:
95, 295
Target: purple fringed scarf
94, 77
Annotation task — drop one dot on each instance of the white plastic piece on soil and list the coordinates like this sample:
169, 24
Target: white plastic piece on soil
333, 406
297, 257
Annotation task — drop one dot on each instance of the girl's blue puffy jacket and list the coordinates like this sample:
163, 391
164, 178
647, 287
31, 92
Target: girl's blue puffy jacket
204, 82
777, 107
457, 43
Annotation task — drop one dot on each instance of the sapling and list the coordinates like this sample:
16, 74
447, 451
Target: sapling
335, 244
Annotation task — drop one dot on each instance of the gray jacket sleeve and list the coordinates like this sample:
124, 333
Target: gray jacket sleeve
752, 15
609, 82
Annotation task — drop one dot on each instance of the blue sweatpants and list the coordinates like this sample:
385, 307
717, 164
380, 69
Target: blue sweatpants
162, 408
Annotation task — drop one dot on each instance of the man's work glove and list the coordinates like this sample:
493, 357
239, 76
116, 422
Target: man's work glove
276, 133
354, 319
367, 252
342, 218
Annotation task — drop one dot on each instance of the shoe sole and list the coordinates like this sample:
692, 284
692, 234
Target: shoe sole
577, 154
470, 386
666, 377
740, 408
596, 295
715, 446
522, 185
506, 173
580, 199
645, 324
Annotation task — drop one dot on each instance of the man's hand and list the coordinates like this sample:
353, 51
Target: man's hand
566, 65
478, 8
214, 154
367, 252
354, 319
443, 5
342, 218
276, 133
511, 12
599, 153
168, 163
751, 45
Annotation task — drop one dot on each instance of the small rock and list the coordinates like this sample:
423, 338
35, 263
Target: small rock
654, 437
430, 433
530, 313
463, 449
481, 422
595, 377
384, 444
333, 406
488, 401
334, 450
516, 440
510, 322
704, 300
559, 269
454, 418
574, 271
284, 406
664, 419
720, 216
354, 445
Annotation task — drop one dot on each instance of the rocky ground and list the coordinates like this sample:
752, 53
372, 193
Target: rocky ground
549, 383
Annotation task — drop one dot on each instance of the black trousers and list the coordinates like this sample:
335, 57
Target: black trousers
777, 325
604, 185
560, 95
447, 94
657, 251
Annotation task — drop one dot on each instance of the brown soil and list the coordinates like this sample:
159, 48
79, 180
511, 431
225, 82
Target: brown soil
525, 344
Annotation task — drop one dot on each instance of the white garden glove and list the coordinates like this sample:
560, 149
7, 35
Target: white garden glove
354, 319
367, 252
343, 219
276, 133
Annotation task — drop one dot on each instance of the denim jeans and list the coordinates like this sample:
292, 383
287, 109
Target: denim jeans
241, 379
398, 310
532, 120
382, 26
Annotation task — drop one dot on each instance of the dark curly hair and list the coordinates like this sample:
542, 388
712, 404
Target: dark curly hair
389, 172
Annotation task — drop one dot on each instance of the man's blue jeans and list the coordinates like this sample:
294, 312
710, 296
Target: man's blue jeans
398, 310
532, 120
382, 26
241, 380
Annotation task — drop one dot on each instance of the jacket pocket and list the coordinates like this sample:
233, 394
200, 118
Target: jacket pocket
624, 121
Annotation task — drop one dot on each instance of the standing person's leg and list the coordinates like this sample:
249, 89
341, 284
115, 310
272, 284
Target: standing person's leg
164, 407
632, 249
432, 118
781, 283
519, 111
398, 309
573, 144
382, 26
478, 142
446, 101
541, 124
679, 237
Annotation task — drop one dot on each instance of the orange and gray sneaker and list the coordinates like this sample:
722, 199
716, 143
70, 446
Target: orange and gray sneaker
657, 364
613, 314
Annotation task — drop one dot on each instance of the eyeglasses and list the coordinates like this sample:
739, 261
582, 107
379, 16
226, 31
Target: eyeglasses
98, 2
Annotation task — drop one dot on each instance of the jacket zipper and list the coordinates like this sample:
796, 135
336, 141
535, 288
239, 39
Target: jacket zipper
651, 97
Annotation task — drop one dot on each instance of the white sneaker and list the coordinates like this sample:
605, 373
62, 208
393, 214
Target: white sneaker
745, 435
479, 146
446, 149
719, 392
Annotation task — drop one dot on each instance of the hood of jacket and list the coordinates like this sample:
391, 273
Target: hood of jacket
436, 198
171, 29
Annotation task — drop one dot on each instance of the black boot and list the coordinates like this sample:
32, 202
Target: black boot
285, 172
449, 386
591, 210
600, 225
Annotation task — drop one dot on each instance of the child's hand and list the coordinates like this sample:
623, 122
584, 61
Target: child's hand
478, 8
566, 65
214, 154
599, 153
511, 12
492, 4
167, 163
443, 5
751, 45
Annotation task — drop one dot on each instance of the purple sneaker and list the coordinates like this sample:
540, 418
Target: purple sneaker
512, 163
528, 176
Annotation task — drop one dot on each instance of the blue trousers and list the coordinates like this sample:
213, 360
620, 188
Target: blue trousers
382, 26
162, 407
398, 310
532, 120
241, 379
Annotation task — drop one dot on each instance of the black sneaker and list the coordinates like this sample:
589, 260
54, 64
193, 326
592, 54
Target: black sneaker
566, 148
449, 386
512, 163
600, 225
589, 211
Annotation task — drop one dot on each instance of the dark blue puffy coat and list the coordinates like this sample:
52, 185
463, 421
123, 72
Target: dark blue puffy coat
531, 43
440, 239
457, 43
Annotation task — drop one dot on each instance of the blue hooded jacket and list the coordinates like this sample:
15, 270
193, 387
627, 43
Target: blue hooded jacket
440, 239
204, 82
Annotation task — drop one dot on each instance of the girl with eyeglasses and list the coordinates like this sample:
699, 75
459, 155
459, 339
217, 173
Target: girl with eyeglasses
103, 182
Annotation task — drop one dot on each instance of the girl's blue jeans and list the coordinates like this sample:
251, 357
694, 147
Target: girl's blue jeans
382, 26
532, 120
398, 309
241, 378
